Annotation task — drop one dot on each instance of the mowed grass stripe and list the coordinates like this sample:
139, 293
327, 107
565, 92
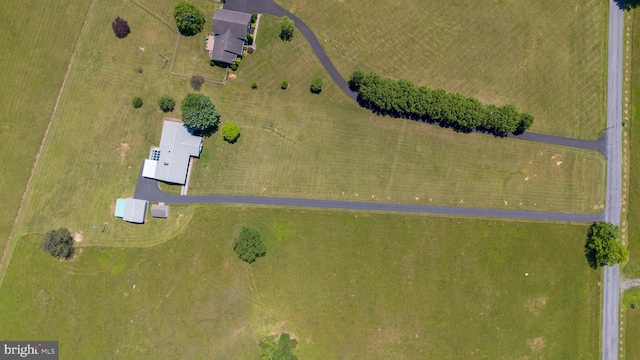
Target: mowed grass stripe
294, 143
546, 58
98, 142
382, 286
37, 46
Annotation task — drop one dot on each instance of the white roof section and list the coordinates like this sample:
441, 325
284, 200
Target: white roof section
177, 146
135, 210
149, 169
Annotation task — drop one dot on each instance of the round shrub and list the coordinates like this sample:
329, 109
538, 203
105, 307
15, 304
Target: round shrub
234, 66
58, 243
316, 85
250, 39
137, 102
196, 82
249, 245
254, 85
120, 27
284, 85
230, 132
166, 103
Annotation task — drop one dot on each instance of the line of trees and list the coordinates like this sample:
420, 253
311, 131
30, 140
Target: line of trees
403, 99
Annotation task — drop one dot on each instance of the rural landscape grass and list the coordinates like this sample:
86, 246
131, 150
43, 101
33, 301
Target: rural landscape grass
446, 287
37, 45
298, 144
382, 285
548, 58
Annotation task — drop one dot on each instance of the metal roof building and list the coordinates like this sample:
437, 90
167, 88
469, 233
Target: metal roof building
170, 161
159, 210
135, 210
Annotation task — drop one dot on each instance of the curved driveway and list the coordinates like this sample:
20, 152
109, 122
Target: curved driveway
270, 7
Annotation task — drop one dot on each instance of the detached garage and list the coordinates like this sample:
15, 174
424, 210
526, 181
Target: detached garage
131, 210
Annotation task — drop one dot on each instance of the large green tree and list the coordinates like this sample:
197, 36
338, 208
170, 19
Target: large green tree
189, 19
199, 113
603, 245
286, 28
249, 245
58, 243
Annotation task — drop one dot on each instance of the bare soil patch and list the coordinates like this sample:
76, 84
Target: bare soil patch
537, 345
536, 305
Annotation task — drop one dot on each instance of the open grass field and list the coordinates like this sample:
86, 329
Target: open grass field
632, 268
36, 47
348, 286
298, 144
548, 58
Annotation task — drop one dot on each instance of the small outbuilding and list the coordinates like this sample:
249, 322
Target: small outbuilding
135, 210
120, 204
159, 211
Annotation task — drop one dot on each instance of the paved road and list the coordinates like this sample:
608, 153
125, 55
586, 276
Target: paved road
270, 7
611, 287
148, 189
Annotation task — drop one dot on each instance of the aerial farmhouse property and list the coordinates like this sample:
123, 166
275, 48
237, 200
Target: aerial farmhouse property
170, 161
230, 29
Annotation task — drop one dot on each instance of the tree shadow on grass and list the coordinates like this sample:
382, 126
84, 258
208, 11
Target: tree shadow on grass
627, 4
590, 255
204, 133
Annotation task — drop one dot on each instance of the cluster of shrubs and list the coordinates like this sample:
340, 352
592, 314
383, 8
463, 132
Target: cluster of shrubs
403, 99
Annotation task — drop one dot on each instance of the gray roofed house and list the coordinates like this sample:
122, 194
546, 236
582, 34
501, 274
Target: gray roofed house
135, 210
170, 161
159, 210
230, 29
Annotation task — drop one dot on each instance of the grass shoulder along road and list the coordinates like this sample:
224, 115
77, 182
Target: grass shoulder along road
631, 316
382, 286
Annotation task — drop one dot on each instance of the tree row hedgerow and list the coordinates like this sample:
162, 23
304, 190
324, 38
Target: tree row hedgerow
403, 99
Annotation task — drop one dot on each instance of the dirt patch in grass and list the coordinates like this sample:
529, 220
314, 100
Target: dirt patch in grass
537, 345
123, 151
536, 305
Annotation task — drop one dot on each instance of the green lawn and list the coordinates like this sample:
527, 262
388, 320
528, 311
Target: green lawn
293, 143
298, 144
547, 57
36, 47
348, 286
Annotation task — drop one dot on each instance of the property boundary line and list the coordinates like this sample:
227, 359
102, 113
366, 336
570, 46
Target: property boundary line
5, 253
